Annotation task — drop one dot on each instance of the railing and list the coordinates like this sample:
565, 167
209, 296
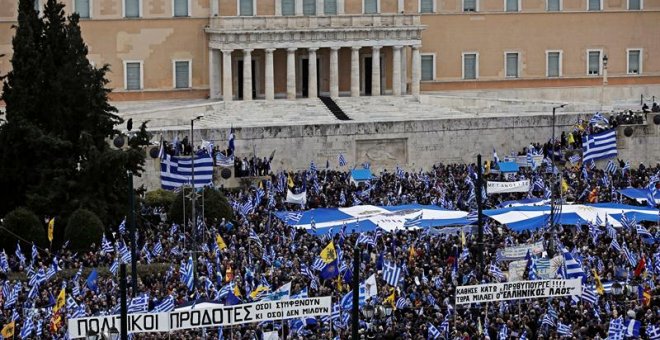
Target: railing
307, 22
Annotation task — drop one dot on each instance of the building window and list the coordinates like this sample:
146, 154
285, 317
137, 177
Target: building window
133, 75
634, 61
594, 5
426, 6
554, 5
181, 8
634, 5
428, 67
470, 5
82, 8
554, 64
370, 6
511, 5
246, 8
511, 65
288, 7
132, 8
181, 74
309, 7
470, 66
330, 7
593, 63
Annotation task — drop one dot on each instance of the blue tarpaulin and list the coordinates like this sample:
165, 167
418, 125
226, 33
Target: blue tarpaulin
639, 195
505, 167
361, 175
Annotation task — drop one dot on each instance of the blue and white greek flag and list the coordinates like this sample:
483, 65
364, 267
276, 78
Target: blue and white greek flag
165, 305
139, 304
434, 333
589, 295
186, 272
573, 268
391, 273
653, 332
599, 146
177, 171
342, 160
563, 329
611, 167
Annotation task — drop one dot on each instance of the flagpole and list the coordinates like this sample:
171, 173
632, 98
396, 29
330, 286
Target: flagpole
193, 201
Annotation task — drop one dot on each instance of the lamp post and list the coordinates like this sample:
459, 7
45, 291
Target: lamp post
605, 59
132, 229
555, 185
193, 201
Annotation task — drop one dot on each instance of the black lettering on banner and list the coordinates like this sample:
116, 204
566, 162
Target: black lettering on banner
93, 325
195, 318
217, 316
206, 319
135, 322
258, 316
237, 314
185, 316
149, 322
80, 329
105, 324
247, 314
174, 320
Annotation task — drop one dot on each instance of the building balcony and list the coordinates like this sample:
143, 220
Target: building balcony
307, 23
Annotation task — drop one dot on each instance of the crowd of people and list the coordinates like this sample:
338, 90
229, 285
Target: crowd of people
259, 250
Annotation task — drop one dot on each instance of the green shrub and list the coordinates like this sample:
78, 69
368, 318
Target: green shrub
83, 229
22, 224
160, 198
214, 203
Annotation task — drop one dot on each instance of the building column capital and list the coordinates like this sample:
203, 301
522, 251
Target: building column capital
291, 50
397, 47
335, 48
416, 47
312, 49
376, 47
269, 50
227, 51
356, 48
247, 50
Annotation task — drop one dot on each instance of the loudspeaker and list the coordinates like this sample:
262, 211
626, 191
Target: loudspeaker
628, 131
118, 142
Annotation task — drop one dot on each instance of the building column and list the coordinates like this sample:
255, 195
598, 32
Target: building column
355, 71
270, 76
227, 91
214, 8
340, 7
320, 7
404, 71
375, 71
299, 7
396, 70
416, 71
247, 74
291, 73
313, 74
214, 73
334, 72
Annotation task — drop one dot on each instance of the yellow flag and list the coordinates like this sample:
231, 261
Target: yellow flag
8, 330
237, 292
339, 284
328, 254
220, 242
462, 238
260, 289
599, 285
570, 140
564, 186
61, 300
289, 181
261, 184
391, 299
51, 228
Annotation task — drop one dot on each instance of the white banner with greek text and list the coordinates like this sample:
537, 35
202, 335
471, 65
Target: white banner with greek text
519, 252
537, 289
504, 187
213, 317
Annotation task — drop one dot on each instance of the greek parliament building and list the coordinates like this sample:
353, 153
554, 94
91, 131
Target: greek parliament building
270, 49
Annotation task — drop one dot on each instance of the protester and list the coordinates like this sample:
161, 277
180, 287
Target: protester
258, 249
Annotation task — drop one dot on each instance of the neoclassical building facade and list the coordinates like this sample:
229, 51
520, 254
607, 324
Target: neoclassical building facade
270, 49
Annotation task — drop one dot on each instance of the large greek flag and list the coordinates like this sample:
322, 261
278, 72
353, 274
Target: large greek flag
177, 171
599, 146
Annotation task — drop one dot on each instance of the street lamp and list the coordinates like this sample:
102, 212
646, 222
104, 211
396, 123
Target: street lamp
553, 200
92, 335
111, 334
193, 200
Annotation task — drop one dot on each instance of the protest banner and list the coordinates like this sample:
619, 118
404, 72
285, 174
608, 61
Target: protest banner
545, 268
212, 317
505, 187
520, 251
517, 290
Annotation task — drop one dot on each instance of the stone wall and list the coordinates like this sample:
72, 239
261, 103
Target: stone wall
409, 144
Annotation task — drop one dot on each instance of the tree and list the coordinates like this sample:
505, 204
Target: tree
83, 229
215, 206
54, 157
22, 224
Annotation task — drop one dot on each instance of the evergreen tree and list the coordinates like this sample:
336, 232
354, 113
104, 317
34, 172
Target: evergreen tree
54, 155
